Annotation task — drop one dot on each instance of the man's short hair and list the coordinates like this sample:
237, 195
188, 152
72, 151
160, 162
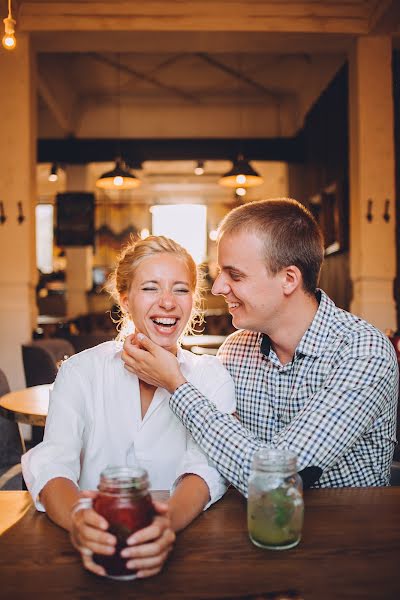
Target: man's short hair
289, 232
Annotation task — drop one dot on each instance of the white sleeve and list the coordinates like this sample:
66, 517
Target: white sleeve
217, 385
59, 453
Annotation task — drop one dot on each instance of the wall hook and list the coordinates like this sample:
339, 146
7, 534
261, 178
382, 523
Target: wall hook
21, 217
3, 217
369, 214
386, 214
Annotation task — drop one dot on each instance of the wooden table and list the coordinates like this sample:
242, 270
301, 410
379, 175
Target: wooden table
208, 341
350, 550
29, 405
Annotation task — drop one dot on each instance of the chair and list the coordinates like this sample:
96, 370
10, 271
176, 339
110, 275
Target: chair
84, 341
41, 360
11, 443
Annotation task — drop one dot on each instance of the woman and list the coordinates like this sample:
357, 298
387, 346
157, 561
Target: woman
100, 414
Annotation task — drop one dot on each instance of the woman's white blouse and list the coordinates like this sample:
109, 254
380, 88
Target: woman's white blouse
95, 421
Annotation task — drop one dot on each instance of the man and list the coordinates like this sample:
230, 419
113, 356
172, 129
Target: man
308, 376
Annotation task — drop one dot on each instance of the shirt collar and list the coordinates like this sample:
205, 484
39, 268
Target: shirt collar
180, 355
315, 338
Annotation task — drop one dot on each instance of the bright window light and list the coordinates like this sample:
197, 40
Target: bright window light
44, 237
184, 223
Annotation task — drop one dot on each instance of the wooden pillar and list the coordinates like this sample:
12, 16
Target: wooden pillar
372, 181
18, 275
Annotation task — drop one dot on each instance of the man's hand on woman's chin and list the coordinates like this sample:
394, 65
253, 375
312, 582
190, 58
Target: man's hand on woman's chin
151, 363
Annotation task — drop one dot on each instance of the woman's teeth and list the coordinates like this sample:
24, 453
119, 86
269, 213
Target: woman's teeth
166, 322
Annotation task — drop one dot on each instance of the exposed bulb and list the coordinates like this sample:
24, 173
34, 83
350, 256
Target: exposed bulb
213, 235
241, 179
144, 233
118, 180
53, 175
199, 169
240, 191
9, 42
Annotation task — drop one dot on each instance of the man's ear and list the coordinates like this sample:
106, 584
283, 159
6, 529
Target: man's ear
292, 279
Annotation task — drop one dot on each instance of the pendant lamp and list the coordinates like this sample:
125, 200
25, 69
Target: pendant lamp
241, 175
119, 178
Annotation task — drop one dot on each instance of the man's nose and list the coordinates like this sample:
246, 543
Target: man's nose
220, 287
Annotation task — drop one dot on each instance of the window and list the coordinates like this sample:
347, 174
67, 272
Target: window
44, 237
184, 223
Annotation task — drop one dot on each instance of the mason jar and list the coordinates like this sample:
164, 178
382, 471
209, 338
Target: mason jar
125, 502
275, 505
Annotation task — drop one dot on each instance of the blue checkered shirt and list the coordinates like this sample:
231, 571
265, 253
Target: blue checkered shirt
334, 404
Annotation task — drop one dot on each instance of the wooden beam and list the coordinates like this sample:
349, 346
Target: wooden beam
195, 15
145, 77
83, 151
385, 17
59, 112
238, 75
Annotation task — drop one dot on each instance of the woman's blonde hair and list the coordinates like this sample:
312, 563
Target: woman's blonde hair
129, 259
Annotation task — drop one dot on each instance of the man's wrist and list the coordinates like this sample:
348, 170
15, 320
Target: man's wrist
176, 382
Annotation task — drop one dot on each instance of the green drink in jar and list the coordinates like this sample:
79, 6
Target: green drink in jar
275, 500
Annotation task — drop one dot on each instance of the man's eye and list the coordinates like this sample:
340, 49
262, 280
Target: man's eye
182, 291
149, 289
234, 276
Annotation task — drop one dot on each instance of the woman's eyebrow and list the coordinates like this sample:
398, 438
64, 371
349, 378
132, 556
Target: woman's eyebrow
157, 282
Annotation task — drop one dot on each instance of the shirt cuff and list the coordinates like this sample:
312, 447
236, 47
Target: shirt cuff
214, 481
36, 484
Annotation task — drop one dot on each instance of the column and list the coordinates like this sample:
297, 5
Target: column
79, 259
372, 177
18, 274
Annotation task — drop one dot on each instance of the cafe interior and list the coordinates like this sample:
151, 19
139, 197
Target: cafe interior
132, 118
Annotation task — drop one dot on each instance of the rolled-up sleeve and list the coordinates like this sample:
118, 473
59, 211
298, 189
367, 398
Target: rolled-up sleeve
218, 387
59, 453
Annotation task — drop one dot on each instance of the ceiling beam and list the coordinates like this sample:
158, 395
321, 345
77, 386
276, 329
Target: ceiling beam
385, 17
193, 15
144, 77
238, 75
135, 151
61, 114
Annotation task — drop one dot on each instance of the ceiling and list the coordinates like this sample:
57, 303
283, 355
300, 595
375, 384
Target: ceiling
197, 69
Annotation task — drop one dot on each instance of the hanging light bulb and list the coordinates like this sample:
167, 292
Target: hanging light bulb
9, 42
53, 175
199, 169
119, 178
240, 191
242, 174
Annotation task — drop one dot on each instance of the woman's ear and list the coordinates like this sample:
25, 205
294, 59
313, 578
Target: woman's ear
292, 279
123, 302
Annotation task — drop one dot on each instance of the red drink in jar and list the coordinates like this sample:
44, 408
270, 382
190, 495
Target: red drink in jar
124, 501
